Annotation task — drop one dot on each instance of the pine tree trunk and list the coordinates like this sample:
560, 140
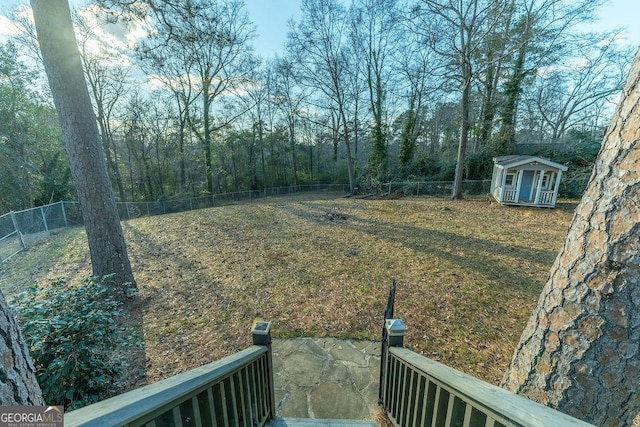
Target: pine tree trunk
18, 383
81, 138
580, 350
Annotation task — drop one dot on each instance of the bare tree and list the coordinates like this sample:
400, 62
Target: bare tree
579, 351
373, 31
421, 85
465, 24
107, 83
81, 139
173, 69
212, 39
317, 44
536, 38
564, 94
288, 99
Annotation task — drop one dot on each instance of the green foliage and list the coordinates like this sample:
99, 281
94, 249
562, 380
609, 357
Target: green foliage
574, 182
579, 155
72, 334
369, 184
33, 168
424, 166
407, 137
378, 156
479, 165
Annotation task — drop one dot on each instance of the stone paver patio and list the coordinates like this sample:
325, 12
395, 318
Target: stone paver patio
326, 378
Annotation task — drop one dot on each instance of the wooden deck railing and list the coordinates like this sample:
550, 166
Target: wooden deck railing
234, 391
418, 391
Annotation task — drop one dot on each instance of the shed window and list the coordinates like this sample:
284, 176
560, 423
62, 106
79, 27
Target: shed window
510, 180
545, 182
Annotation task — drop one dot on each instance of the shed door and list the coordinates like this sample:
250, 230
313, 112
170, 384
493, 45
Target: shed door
526, 186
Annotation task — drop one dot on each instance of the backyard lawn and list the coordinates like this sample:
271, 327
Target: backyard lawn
468, 272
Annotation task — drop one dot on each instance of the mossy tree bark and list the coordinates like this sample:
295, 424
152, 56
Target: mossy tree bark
580, 350
81, 139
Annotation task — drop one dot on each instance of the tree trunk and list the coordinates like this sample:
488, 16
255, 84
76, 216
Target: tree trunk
464, 133
206, 138
488, 103
18, 383
347, 144
378, 156
292, 142
81, 139
506, 138
579, 352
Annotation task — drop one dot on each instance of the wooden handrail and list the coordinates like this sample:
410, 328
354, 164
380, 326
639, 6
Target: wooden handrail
235, 390
419, 391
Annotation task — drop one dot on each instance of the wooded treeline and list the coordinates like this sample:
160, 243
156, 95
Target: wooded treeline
365, 91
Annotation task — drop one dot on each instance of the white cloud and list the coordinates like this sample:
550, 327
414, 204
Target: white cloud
121, 35
13, 27
8, 28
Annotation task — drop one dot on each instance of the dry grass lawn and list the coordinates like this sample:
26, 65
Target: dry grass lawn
468, 275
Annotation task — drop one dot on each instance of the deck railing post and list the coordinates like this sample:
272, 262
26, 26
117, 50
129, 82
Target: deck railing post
395, 332
388, 314
261, 332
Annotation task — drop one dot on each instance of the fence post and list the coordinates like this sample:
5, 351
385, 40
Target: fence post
395, 332
15, 226
44, 219
261, 333
64, 214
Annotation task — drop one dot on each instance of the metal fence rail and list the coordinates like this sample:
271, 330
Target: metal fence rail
235, 391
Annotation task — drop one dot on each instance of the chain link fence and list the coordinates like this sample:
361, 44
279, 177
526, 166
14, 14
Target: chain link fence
437, 188
19, 230
570, 187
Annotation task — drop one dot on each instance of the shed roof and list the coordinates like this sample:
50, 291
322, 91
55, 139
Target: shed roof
515, 161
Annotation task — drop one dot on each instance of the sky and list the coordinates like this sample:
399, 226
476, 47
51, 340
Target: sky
620, 13
271, 17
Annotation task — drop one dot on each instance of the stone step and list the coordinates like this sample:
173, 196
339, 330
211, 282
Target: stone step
314, 422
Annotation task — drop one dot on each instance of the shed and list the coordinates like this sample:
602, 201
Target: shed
526, 181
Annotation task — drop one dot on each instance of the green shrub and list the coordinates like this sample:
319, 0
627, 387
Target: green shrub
72, 334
